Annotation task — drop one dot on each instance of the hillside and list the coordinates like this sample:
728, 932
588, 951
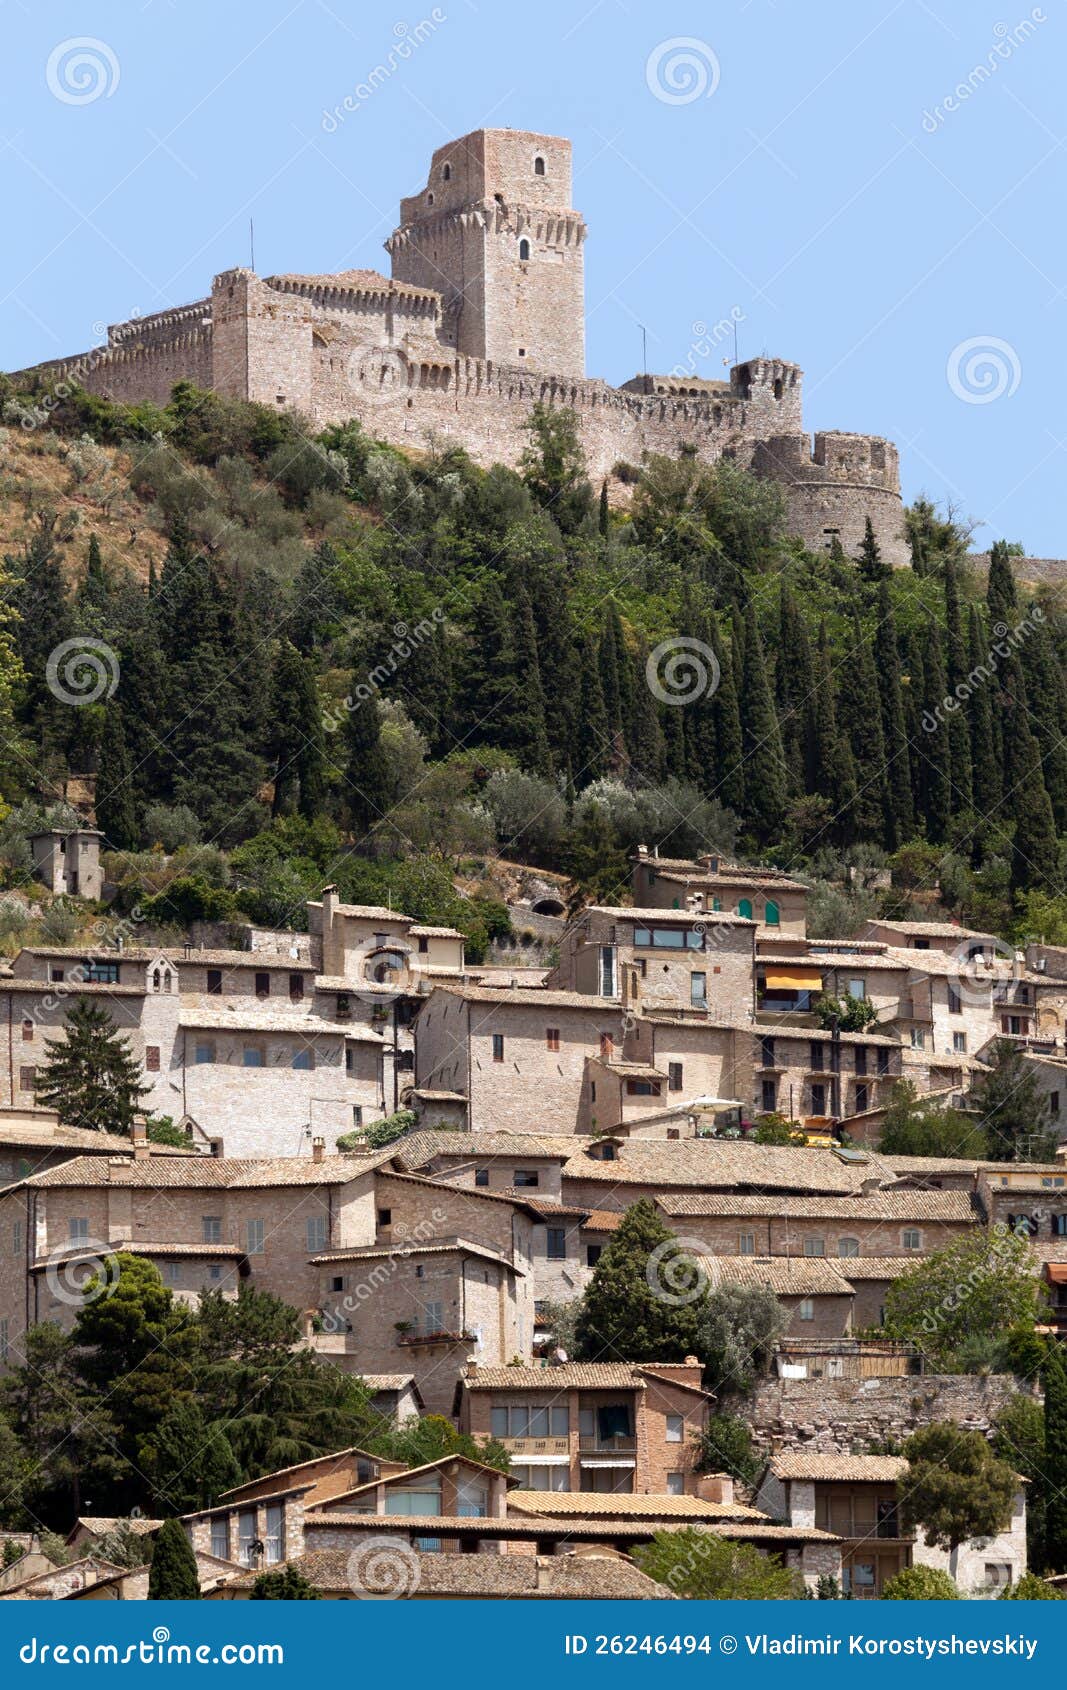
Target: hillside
312, 657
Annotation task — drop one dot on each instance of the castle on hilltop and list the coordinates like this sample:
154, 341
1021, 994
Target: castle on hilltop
483, 316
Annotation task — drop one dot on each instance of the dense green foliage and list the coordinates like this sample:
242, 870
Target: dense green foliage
916, 1126
349, 663
957, 1486
173, 1576
966, 1301
641, 1303
91, 1075
921, 1584
289, 1584
697, 1564
1054, 1468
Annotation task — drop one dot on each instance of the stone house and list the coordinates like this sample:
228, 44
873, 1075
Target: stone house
812, 1076
671, 958
816, 1296
1028, 1200
884, 1222
385, 1268
591, 1427
68, 861
597, 1575
710, 886
857, 1498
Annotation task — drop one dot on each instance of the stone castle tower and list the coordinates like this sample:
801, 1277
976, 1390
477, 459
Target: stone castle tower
494, 234
482, 318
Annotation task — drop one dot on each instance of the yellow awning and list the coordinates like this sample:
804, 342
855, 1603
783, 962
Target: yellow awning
795, 979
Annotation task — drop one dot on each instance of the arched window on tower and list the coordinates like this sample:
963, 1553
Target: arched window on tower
524, 251
446, 173
539, 166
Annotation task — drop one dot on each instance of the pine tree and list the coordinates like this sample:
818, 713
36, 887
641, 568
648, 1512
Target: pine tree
173, 1576
91, 1076
1035, 852
860, 716
116, 802
764, 761
1054, 1466
643, 1300
900, 820
935, 775
191, 1461
1008, 1102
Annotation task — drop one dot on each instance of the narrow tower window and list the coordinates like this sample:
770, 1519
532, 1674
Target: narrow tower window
539, 166
524, 251
446, 173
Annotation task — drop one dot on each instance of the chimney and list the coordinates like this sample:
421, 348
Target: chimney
472, 1369
139, 1137
318, 1149
329, 905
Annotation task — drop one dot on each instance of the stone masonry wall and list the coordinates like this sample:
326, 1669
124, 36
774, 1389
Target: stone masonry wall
829, 1415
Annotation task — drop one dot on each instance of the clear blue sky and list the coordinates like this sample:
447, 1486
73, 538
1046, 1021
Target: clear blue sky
857, 236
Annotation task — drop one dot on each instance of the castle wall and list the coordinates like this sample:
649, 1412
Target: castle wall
833, 486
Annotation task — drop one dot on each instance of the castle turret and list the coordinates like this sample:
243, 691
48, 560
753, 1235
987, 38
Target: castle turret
493, 231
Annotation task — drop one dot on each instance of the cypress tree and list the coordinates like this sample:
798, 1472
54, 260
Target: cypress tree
1054, 1467
593, 742
835, 771
985, 767
729, 770
871, 564
935, 775
644, 737
959, 738
701, 738
95, 592
604, 521
900, 821
860, 716
1002, 601
793, 689
296, 737
608, 657
1047, 693
764, 761
173, 1576
1035, 853
366, 782
524, 731
912, 680
116, 802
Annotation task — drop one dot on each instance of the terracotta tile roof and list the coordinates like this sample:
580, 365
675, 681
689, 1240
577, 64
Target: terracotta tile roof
677, 869
572, 1375
444, 1247
419, 931
517, 1200
890, 1204
602, 1220
522, 1577
101, 1524
819, 1035
877, 1267
421, 1148
368, 912
800, 1464
177, 954
50, 1134
204, 1172
537, 997
387, 1381
264, 1020
786, 1276
724, 1162
688, 918
932, 929
600, 1504
758, 1531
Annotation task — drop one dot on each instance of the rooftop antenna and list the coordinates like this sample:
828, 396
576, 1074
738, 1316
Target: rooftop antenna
644, 350
252, 251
